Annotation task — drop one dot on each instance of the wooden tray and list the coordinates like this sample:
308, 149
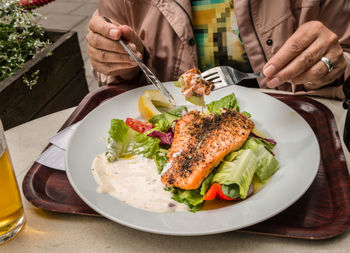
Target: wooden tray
322, 212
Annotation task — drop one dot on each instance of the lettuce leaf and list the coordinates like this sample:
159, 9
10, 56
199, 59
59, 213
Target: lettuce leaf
161, 159
192, 198
163, 121
240, 172
124, 141
178, 111
161, 125
247, 114
206, 184
267, 164
268, 143
232, 155
231, 191
229, 102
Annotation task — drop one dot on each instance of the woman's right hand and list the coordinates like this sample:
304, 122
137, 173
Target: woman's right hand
106, 54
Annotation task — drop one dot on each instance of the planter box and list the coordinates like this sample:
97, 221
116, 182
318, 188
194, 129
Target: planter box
61, 84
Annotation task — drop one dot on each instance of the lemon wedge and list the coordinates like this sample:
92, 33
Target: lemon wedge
148, 102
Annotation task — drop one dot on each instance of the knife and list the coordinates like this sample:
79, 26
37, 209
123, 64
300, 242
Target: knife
151, 77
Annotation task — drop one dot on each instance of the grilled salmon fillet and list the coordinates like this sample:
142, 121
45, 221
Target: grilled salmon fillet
200, 143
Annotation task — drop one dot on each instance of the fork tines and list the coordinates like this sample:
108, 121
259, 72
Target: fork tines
213, 78
214, 75
211, 74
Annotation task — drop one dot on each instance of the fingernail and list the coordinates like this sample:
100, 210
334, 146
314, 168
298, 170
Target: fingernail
133, 46
270, 70
113, 33
274, 82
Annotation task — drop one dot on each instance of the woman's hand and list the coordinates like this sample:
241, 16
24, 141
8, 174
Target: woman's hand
299, 59
106, 54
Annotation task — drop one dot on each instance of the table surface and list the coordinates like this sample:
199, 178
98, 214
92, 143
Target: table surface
55, 232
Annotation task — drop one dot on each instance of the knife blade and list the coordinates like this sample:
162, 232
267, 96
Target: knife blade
148, 73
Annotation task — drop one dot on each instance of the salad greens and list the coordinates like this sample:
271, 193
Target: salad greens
231, 191
166, 118
124, 141
161, 159
239, 172
267, 164
229, 102
192, 198
235, 173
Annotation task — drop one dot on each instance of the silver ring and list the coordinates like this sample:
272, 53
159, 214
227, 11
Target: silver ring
310, 83
328, 63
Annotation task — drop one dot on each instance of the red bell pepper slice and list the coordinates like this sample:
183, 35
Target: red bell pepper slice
215, 191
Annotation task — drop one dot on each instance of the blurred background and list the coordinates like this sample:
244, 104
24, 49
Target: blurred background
72, 15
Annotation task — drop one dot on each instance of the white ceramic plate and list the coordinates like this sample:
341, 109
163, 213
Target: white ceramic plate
297, 150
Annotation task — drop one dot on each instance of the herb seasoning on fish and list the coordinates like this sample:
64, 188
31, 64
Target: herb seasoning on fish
203, 141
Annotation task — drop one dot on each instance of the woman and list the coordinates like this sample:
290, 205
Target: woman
301, 46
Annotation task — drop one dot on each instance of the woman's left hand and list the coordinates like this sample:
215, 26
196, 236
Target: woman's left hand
299, 59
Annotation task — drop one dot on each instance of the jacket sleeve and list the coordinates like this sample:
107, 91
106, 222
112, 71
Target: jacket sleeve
117, 11
336, 16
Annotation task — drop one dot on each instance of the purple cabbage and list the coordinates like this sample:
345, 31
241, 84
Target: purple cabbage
165, 138
271, 141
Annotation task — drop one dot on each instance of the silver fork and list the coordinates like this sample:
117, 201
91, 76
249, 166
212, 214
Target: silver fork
223, 76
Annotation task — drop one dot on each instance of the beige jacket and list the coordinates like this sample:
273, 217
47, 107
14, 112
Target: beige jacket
165, 28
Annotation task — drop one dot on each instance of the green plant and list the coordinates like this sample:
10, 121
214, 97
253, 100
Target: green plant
21, 38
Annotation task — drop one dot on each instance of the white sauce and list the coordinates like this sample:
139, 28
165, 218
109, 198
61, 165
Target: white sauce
136, 182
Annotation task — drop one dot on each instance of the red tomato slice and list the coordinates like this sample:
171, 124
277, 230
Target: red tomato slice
139, 126
215, 191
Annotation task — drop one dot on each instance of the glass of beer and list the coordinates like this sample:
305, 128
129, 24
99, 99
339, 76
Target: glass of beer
11, 209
